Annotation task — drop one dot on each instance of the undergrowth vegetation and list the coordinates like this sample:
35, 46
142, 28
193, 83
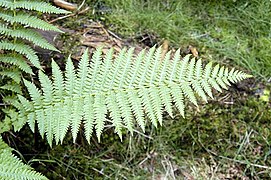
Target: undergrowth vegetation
228, 138
217, 141
233, 31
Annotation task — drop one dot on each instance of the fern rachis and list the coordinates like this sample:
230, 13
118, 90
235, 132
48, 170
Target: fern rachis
126, 88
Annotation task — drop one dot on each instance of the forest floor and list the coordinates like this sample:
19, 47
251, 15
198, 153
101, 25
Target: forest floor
228, 138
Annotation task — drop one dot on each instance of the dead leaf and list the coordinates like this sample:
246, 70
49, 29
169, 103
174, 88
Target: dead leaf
165, 46
187, 175
194, 51
65, 5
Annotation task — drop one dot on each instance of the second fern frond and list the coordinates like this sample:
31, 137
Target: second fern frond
127, 88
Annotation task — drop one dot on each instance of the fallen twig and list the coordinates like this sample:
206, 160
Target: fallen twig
69, 15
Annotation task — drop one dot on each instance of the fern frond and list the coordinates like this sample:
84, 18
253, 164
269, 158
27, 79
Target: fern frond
164, 93
13, 100
30, 5
58, 82
88, 116
70, 77
14, 74
49, 121
26, 19
16, 88
13, 168
82, 74
16, 60
65, 117
36, 98
27, 34
28, 106
100, 111
196, 84
22, 49
126, 111
204, 82
77, 114
146, 102
115, 112
127, 88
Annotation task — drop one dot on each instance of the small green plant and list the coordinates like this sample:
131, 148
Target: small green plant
127, 88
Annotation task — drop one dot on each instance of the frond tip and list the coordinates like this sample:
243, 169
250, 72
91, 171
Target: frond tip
123, 90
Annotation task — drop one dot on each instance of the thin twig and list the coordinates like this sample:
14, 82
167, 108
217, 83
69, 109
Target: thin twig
69, 15
114, 35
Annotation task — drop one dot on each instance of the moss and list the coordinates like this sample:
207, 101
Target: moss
239, 132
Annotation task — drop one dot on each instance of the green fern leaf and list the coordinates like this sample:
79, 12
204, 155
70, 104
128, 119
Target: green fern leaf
105, 70
136, 70
16, 88
205, 84
188, 91
126, 111
26, 19
114, 79
125, 67
13, 101
36, 97
49, 121
16, 60
29, 35
226, 74
174, 66
183, 68
143, 74
29, 5
127, 88
156, 62
66, 114
178, 98
22, 49
94, 67
196, 84
13, 168
82, 74
156, 103
115, 113
146, 102
14, 74
88, 116
164, 93
28, 106
136, 106
70, 78
100, 111
77, 114
164, 68
58, 82
219, 79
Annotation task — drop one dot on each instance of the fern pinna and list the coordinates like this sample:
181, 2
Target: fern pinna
127, 87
